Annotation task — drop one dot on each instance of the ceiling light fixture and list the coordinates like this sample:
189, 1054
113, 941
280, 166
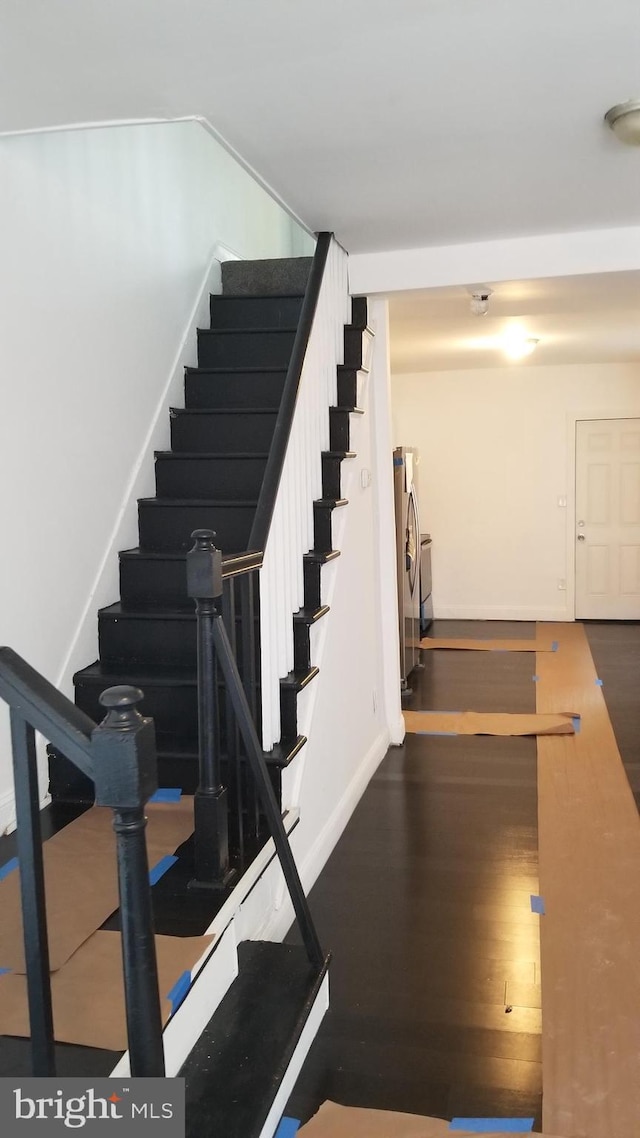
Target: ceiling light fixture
624, 120
516, 346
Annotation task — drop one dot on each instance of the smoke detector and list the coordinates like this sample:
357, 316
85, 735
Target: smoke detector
480, 301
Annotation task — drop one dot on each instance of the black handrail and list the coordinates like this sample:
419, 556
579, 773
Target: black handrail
205, 587
120, 756
46, 709
275, 462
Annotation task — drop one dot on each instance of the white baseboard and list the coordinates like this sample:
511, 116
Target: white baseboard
309, 1032
7, 812
397, 732
500, 612
278, 923
216, 973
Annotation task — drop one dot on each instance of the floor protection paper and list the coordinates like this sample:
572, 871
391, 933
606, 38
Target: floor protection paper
334, 1121
546, 645
589, 859
88, 993
81, 879
489, 723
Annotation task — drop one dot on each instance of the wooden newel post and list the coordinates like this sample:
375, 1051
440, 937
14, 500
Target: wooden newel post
123, 750
204, 586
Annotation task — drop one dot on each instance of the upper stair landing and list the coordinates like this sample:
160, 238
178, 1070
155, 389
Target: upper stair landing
284, 277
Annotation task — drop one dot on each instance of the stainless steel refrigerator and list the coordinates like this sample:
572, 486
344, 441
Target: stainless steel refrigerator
405, 462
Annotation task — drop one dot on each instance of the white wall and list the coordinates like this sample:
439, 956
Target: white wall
509, 259
497, 450
347, 714
108, 240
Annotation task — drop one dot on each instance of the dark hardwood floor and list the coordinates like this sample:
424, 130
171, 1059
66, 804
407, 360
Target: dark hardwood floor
425, 902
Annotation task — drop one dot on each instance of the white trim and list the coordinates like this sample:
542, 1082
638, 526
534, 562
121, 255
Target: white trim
249, 879
204, 123
573, 418
7, 812
307, 1036
219, 969
516, 258
384, 518
501, 612
279, 921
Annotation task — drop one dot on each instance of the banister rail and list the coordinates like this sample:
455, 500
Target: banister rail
119, 755
46, 709
275, 462
204, 585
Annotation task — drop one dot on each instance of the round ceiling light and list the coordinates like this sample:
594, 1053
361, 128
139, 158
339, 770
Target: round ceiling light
624, 120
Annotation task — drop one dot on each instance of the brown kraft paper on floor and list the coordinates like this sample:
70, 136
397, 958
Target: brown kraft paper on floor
333, 1121
81, 879
487, 723
88, 993
589, 857
488, 645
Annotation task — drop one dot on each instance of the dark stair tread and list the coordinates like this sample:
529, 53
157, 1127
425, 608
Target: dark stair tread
284, 752
331, 503
176, 503
141, 675
143, 612
258, 296
339, 453
235, 1069
250, 558
297, 681
321, 557
249, 331
182, 456
310, 616
351, 410
350, 367
193, 370
177, 412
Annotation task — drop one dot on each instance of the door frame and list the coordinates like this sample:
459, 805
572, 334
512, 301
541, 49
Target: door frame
574, 417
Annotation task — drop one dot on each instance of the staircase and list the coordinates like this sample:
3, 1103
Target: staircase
213, 477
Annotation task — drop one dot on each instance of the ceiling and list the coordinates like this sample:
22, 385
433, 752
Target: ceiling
395, 123
578, 319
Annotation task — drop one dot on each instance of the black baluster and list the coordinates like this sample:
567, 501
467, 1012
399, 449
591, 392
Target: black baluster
204, 585
235, 780
123, 750
260, 774
249, 682
34, 913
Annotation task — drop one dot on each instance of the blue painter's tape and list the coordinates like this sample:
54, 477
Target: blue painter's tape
287, 1128
3, 971
537, 905
493, 1125
167, 794
599, 683
536, 679
161, 868
8, 868
398, 461
554, 645
576, 723
179, 991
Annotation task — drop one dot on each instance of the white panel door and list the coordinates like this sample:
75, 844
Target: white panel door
607, 524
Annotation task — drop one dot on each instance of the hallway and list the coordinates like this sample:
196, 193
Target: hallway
425, 901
